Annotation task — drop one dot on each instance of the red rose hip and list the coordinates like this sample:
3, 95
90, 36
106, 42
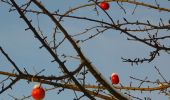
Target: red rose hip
104, 5
114, 78
38, 92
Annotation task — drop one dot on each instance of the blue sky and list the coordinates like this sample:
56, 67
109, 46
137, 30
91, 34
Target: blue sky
104, 51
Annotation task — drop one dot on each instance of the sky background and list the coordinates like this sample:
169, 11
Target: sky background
104, 51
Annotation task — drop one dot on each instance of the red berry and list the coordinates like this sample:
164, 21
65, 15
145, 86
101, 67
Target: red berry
38, 92
115, 78
104, 5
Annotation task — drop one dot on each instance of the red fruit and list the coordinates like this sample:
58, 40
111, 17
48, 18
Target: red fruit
38, 92
104, 5
115, 78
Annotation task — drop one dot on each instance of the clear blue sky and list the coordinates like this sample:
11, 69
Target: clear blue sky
104, 51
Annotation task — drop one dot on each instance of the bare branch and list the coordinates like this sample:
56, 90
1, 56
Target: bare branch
10, 60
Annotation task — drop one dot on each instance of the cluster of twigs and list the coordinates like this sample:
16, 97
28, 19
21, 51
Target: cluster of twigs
76, 79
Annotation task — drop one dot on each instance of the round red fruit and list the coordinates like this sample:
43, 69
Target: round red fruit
38, 92
104, 5
114, 78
